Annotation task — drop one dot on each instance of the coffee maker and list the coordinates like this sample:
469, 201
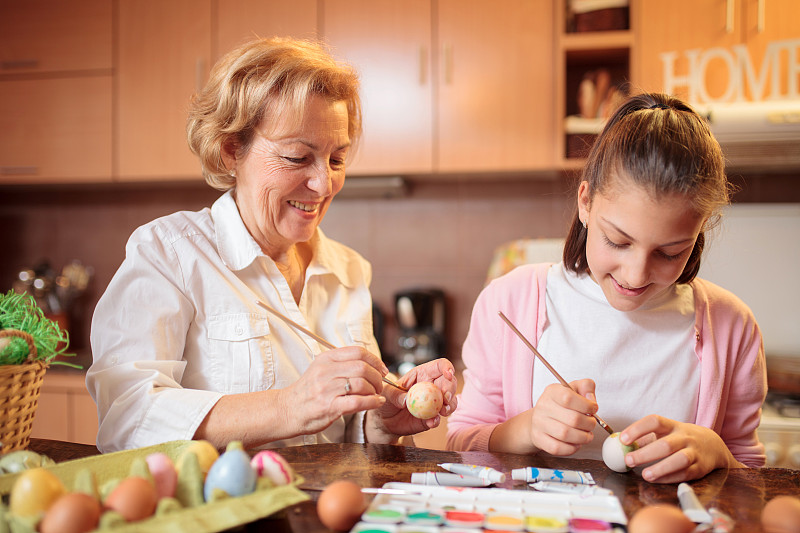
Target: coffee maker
421, 321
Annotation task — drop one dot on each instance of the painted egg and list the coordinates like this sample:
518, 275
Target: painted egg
206, 455
34, 491
271, 465
135, 498
781, 515
340, 505
75, 512
424, 400
664, 518
165, 476
614, 453
231, 473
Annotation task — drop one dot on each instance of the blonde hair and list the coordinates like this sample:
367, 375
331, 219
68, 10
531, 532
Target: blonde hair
258, 81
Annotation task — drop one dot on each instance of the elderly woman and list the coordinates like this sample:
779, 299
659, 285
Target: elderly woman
183, 350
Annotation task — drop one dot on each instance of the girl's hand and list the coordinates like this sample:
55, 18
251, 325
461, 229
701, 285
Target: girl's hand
393, 419
561, 421
681, 451
321, 394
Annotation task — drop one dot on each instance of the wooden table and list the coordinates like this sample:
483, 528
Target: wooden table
741, 493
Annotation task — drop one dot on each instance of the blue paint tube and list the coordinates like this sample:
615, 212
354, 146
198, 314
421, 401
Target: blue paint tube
532, 474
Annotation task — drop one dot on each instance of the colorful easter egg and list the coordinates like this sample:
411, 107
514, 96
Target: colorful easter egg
271, 465
34, 491
424, 400
165, 476
232, 474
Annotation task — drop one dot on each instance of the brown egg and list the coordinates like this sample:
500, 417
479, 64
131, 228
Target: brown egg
781, 515
75, 512
663, 518
135, 498
340, 505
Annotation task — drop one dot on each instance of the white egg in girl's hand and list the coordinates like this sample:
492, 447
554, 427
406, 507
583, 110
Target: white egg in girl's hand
614, 453
424, 400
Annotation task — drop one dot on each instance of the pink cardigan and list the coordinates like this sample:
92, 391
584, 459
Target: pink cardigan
498, 378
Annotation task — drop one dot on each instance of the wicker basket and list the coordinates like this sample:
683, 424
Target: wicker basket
19, 396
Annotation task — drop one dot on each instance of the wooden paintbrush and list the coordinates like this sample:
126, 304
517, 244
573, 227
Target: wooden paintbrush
550, 368
317, 338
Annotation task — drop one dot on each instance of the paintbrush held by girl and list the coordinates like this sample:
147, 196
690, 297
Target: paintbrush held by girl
672, 361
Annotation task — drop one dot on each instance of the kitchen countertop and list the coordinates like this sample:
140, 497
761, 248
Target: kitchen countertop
741, 493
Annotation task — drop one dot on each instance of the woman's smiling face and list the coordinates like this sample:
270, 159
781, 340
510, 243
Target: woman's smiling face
637, 245
287, 179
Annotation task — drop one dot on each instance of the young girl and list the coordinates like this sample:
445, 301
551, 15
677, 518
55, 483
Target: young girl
671, 361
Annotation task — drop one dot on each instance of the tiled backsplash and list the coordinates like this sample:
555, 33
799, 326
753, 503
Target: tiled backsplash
442, 234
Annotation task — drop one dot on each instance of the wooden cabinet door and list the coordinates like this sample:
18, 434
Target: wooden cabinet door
238, 21
496, 89
702, 51
389, 43
164, 58
669, 38
52, 416
54, 35
55, 130
83, 420
772, 33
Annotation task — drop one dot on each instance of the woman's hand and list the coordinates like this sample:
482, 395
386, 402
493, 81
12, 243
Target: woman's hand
559, 424
338, 382
393, 419
681, 451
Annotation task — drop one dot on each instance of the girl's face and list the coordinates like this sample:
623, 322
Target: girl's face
286, 181
637, 245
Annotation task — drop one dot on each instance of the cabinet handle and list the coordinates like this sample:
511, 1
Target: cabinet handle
13, 64
199, 74
729, 7
19, 170
447, 52
423, 65
761, 15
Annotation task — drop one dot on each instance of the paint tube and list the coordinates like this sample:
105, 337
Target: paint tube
570, 488
691, 506
448, 480
532, 474
482, 472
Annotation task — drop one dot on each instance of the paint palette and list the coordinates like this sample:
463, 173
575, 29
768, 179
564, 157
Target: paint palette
408, 507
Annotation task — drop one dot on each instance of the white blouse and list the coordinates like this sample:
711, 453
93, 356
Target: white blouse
179, 326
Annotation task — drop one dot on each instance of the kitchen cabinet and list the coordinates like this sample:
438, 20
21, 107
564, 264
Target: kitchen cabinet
450, 86
702, 51
55, 91
238, 21
47, 36
66, 411
164, 55
390, 44
495, 89
603, 59
162, 63
56, 130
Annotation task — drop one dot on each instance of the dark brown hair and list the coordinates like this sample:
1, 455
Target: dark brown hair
661, 144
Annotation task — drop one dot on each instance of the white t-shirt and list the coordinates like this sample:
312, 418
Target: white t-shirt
179, 326
636, 358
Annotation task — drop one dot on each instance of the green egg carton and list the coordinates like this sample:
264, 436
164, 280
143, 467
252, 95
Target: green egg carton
208, 517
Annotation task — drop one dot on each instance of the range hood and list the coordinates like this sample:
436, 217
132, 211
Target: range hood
757, 136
